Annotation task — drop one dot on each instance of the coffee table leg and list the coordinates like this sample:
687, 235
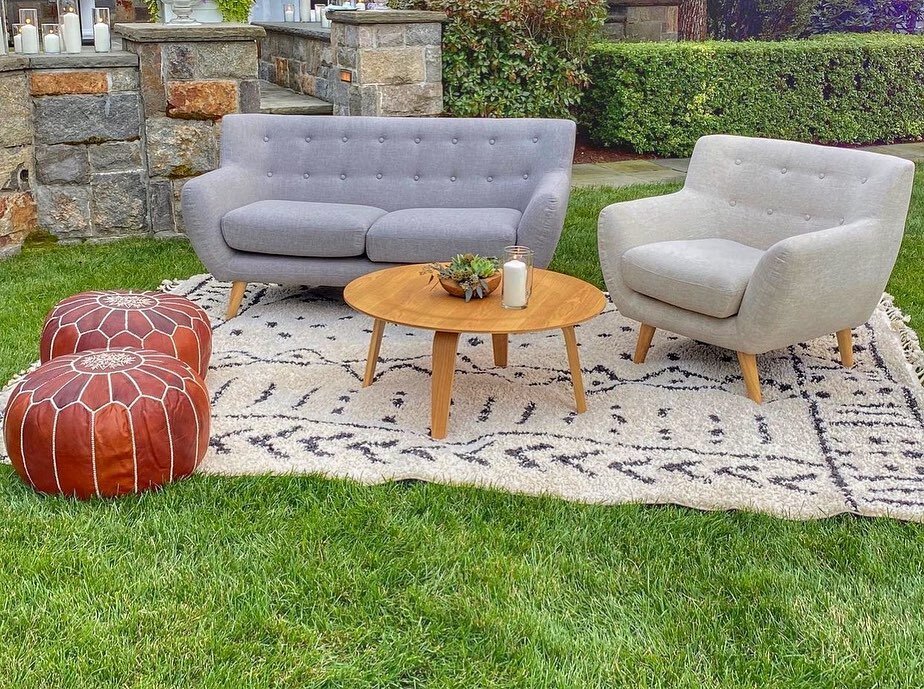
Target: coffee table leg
378, 327
444, 367
500, 349
574, 361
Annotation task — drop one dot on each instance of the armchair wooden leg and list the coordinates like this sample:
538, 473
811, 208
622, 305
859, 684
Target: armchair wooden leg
845, 345
237, 295
748, 364
645, 333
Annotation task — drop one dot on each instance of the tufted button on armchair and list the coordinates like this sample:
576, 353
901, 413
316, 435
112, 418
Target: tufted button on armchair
751, 260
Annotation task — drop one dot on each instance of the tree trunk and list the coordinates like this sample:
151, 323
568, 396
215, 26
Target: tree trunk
691, 24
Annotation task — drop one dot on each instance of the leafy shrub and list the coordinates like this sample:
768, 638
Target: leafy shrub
514, 58
661, 97
902, 16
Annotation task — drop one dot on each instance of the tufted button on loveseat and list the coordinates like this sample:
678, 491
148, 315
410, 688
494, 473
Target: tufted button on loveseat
323, 200
768, 244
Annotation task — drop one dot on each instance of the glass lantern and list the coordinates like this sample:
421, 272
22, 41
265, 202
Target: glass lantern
288, 13
518, 277
51, 38
69, 29
102, 37
28, 32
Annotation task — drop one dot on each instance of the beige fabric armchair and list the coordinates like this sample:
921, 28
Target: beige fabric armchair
768, 244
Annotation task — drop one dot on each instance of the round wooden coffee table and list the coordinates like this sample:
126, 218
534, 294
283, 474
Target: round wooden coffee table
405, 296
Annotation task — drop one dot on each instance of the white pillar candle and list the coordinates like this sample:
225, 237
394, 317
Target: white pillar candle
360, 5
514, 294
101, 38
30, 40
71, 32
289, 15
17, 43
313, 16
51, 43
304, 10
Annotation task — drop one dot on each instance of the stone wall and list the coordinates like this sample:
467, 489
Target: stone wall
17, 205
367, 63
191, 76
642, 20
90, 174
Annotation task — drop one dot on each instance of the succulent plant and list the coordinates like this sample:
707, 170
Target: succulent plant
468, 271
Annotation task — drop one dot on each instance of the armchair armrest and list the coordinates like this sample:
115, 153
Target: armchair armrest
622, 226
817, 283
542, 221
205, 201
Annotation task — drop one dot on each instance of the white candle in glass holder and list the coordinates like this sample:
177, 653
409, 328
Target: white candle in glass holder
30, 41
70, 31
102, 41
51, 42
304, 10
289, 13
313, 16
514, 289
17, 42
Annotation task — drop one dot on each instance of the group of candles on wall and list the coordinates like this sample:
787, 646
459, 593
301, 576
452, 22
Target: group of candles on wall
64, 37
318, 13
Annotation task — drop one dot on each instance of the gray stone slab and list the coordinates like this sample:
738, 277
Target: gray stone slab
279, 101
311, 30
64, 211
911, 151
12, 63
387, 17
119, 202
168, 33
62, 164
89, 119
676, 164
87, 58
115, 155
622, 174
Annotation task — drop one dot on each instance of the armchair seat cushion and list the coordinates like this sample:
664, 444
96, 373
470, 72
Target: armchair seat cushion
419, 235
707, 276
300, 228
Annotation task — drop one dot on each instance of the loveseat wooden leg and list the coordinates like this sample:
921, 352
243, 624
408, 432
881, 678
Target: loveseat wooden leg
748, 364
237, 295
845, 345
645, 334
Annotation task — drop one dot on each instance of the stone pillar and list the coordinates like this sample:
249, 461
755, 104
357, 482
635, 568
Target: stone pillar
387, 63
17, 208
642, 20
90, 177
191, 76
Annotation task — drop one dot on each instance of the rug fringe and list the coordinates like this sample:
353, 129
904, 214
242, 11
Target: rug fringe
911, 345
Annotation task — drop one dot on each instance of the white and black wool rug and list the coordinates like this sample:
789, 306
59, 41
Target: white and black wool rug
286, 379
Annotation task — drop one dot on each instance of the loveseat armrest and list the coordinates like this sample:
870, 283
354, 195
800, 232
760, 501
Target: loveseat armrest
542, 221
205, 201
815, 284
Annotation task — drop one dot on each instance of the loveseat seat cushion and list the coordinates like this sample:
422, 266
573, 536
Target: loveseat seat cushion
419, 235
707, 276
300, 228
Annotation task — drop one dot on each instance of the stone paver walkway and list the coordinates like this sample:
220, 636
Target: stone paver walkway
277, 100
628, 172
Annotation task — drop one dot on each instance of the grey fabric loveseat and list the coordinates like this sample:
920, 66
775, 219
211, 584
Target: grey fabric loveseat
322, 200
768, 244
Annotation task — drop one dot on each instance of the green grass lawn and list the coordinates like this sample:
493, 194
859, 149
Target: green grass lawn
303, 582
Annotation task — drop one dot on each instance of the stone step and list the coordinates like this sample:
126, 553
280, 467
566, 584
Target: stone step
276, 100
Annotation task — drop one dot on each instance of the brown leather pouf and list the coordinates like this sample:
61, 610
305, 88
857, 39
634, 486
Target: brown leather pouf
167, 323
107, 422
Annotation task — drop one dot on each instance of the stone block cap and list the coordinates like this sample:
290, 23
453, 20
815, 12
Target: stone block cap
388, 17
169, 33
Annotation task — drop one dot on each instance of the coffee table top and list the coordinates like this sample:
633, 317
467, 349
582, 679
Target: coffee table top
402, 295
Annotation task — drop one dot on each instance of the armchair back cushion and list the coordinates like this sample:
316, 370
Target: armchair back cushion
768, 190
395, 163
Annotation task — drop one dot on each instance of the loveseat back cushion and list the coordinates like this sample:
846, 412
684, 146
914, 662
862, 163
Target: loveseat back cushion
397, 162
300, 228
421, 235
708, 276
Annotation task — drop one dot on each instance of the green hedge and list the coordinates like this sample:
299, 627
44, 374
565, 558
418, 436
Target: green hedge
514, 58
661, 97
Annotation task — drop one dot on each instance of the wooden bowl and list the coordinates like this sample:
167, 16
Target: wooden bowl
453, 288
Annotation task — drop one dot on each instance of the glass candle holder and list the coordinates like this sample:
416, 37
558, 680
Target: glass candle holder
288, 13
518, 277
51, 38
102, 38
28, 32
69, 20
17, 38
